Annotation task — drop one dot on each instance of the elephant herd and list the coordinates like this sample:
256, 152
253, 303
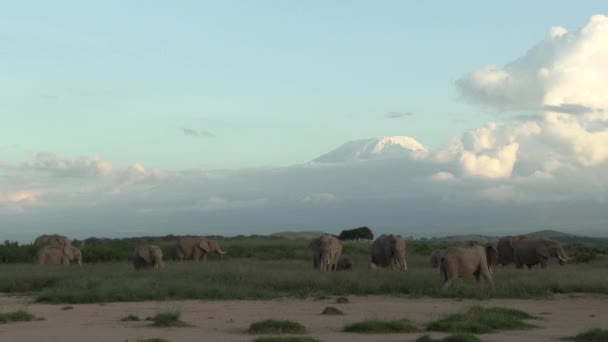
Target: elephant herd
477, 260
386, 251
58, 250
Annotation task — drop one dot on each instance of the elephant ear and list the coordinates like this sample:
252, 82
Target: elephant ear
67, 250
204, 245
144, 253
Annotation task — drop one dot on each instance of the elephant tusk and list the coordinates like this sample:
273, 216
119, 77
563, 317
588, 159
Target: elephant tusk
562, 259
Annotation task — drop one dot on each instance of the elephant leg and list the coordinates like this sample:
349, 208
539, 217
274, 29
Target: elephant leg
204, 257
488, 277
477, 274
404, 265
447, 284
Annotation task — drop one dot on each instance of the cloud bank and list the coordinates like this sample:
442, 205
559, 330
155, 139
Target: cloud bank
547, 169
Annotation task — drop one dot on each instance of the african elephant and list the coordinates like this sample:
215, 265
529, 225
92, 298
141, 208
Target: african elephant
534, 251
345, 263
389, 250
326, 251
52, 240
436, 256
57, 255
505, 248
458, 262
148, 256
196, 248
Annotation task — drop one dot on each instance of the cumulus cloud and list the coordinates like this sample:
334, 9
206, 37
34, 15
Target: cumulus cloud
81, 167
397, 115
197, 133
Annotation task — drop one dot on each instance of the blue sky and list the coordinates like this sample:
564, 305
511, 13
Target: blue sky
274, 82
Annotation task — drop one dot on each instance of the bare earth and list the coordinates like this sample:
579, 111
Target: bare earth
229, 320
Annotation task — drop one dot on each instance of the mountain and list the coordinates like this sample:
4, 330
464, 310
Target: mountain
384, 147
297, 235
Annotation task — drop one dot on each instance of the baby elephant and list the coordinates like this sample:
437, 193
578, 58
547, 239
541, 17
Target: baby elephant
345, 263
148, 256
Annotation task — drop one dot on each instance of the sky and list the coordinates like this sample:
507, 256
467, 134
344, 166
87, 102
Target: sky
204, 116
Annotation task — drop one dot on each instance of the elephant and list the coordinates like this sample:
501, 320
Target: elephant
345, 263
436, 256
196, 248
464, 261
534, 251
57, 255
505, 247
52, 240
148, 256
389, 250
326, 252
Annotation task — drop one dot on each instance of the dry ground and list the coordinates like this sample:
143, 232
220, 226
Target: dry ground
228, 320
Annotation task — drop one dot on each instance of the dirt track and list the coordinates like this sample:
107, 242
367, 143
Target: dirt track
228, 320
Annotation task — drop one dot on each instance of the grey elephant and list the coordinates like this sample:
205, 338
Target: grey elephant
196, 248
535, 251
148, 256
58, 255
464, 261
436, 256
389, 251
326, 252
52, 240
506, 246
345, 263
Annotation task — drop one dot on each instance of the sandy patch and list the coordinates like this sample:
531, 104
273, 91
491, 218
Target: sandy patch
228, 320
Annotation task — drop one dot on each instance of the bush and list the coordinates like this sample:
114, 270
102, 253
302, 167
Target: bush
595, 335
276, 327
479, 320
331, 310
168, 319
377, 327
17, 316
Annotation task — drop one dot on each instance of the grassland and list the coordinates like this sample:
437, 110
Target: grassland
265, 269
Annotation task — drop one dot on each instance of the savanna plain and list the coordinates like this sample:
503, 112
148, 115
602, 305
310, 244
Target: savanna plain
271, 282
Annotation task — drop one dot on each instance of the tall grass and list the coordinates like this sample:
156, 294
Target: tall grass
268, 276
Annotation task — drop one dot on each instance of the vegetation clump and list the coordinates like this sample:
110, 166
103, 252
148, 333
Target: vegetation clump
594, 335
342, 300
270, 326
479, 320
154, 339
17, 316
130, 318
451, 338
332, 310
168, 319
381, 327
286, 339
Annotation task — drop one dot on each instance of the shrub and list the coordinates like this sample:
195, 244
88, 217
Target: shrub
276, 327
479, 320
168, 319
17, 316
595, 335
332, 310
376, 327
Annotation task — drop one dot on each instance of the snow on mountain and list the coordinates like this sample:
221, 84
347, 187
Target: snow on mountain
384, 147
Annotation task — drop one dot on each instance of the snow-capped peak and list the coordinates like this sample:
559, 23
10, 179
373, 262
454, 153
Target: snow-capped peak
384, 147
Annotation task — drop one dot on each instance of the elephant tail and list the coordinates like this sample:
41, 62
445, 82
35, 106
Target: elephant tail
443, 270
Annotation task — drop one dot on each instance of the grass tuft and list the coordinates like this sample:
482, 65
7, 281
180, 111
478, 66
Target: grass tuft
381, 327
130, 318
594, 335
451, 338
342, 300
17, 316
276, 327
67, 308
480, 320
286, 339
332, 310
154, 339
168, 319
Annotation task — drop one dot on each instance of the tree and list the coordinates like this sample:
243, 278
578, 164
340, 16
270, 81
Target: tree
361, 233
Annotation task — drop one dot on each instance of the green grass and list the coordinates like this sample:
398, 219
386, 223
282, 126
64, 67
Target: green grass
286, 339
276, 327
381, 327
451, 338
268, 279
130, 318
332, 310
168, 319
595, 335
479, 320
17, 316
